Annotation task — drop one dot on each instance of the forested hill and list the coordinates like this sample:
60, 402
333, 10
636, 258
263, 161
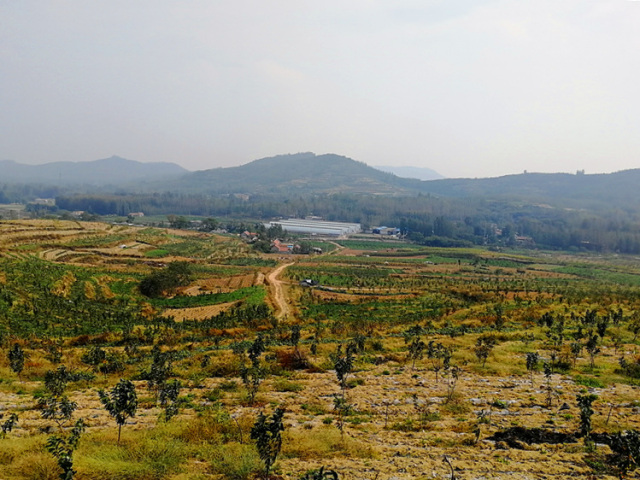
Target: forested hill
299, 173
305, 174
311, 174
617, 189
114, 171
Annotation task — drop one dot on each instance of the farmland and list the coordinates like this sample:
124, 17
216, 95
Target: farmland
399, 362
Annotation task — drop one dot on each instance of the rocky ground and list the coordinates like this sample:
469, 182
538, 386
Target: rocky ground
402, 425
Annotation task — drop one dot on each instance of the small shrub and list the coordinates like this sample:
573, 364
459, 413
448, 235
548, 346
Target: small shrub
294, 359
283, 385
456, 405
228, 386
354, 382
235, 461
499, 404
36, 466
215, 426
320, 474
314, 408
588, 381
214, 395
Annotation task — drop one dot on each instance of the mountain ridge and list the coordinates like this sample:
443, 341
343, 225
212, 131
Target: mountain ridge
296, 173
307, 173
107, 171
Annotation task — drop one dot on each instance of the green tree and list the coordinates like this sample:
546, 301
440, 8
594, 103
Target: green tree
532, 363
253, 374
8, 424
62, 448
55, 405
626, 451
593, 349
416, 350
176, 274
208, 225
548, 372
586, 411
483, 348
178, 222
16, 359
499, 321
268, 437
160, 370
343, 364
121, 403
168, 398
440, 357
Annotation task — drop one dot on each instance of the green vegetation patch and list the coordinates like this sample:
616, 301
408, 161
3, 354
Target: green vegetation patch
251, 262
156, 253
601, 275
378, 245
588, 381
251, 295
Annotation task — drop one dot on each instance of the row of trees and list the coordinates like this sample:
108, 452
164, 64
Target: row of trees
423, 219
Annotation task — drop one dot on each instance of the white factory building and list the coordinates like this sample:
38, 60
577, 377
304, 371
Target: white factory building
317, 227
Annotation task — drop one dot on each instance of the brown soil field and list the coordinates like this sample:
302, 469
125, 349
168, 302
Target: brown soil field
197, 313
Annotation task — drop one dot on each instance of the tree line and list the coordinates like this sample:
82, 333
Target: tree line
424, 219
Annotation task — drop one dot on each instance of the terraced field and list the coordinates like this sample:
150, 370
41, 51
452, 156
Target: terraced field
429, 363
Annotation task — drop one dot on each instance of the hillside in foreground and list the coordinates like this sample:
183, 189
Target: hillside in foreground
479, 356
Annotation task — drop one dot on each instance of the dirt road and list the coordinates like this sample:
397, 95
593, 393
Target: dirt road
276, 291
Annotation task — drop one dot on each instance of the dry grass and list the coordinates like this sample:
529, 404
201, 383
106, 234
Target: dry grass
323, 442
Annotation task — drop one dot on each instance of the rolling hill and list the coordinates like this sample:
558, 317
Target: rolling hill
303, 174
109, 171
613, 189
299, 173
308, 173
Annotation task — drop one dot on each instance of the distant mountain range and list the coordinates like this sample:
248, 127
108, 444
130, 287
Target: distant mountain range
310, 174
108, 171
421, 173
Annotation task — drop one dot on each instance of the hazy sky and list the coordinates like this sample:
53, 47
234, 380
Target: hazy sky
469, 88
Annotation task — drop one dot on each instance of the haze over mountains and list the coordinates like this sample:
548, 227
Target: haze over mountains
421, 173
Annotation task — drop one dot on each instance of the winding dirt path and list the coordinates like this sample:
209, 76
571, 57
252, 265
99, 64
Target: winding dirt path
276, 291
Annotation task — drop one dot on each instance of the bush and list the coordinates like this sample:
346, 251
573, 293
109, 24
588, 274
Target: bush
292, 359
143, 456
176, 274
630, 369
588, 382
235, 461
36, 466
283, 385
215, 426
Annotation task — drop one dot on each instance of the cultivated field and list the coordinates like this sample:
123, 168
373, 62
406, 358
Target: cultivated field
399, 362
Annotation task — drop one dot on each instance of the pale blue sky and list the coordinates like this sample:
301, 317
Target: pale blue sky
468, 88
